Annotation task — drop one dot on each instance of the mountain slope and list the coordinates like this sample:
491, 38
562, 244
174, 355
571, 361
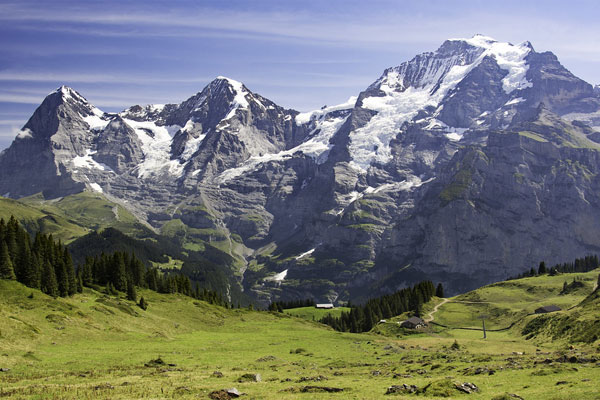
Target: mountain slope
464, 165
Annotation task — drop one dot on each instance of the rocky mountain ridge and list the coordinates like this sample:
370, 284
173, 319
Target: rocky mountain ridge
462, 165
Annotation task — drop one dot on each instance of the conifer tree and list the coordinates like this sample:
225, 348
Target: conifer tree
143, 304
439, 291
49, 283
137, 271
32, 274
11, 238
62, 278
86, 272
542, 268
131, 293
70, 269
6, 265
23, 263
79, 284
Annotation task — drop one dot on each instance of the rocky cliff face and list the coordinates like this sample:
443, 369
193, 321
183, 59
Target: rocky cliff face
464, 165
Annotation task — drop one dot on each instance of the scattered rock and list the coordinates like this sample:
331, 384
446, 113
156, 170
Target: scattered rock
467, 387
249, 378
375, 373
267, 358
478, 371
312, 378
317, 389
507, 396
155, 363
561, 383
405, 376
225, 394
104, 386
217, 374
402, 389
517, 353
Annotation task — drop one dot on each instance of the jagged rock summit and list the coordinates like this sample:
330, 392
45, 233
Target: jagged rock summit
464, 165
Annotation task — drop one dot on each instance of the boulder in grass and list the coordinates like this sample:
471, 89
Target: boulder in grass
402, 389
225, 394
249, 378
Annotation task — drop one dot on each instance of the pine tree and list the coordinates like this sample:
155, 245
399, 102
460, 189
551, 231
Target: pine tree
86, 274
6, 265
49, 283
137, 271
12, 229
79, 284
143, 304
542, 268
62, 278
131, 293
33, 272
439, 291
70, 269
119, 272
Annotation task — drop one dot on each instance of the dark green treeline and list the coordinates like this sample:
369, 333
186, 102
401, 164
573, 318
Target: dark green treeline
47, 265
363, 318
42, 263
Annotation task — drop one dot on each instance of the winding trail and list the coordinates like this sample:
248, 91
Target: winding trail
429, 317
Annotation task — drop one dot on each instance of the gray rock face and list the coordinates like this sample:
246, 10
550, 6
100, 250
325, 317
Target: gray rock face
464, 165
119, 147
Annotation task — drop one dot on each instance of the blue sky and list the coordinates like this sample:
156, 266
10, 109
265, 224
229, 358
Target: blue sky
300, 54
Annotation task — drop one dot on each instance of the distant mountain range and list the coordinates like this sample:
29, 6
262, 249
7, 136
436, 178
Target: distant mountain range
464, 166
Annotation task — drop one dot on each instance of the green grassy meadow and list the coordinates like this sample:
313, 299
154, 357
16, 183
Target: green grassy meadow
94, 346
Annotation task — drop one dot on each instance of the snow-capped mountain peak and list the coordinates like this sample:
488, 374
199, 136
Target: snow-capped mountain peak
68, 93
424, 82
508, 56
240, 93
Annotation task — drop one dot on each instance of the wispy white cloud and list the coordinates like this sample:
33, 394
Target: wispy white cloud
66, 76
11, 121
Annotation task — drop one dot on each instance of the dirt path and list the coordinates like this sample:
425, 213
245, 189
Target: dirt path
429, 317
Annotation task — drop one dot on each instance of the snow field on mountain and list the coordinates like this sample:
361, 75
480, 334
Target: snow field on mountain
437, 77
86, 161
156, 145
316, 147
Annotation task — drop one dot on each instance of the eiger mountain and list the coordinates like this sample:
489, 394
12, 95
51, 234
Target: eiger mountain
465, 165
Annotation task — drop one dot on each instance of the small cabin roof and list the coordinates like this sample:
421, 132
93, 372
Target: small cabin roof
324, 305
415, 321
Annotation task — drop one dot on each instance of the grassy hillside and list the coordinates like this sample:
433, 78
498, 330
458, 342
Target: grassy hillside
91, 210
35, 219
506, 302
315, 314
93, 346
71, 217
